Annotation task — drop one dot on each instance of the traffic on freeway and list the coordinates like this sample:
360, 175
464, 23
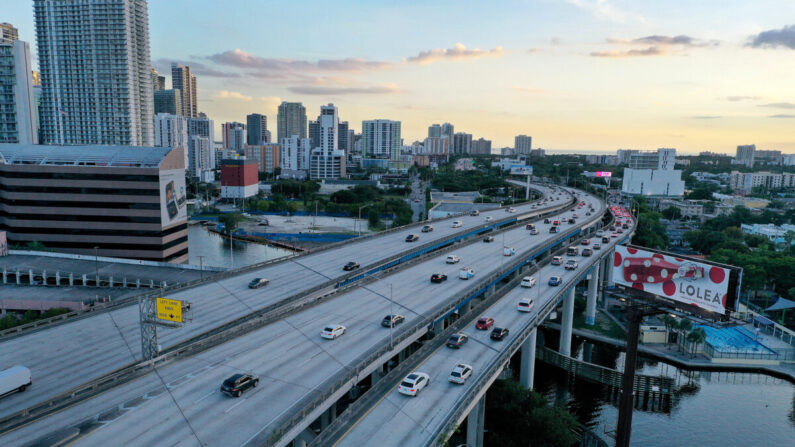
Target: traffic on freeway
73, 353
398, 421
290, 358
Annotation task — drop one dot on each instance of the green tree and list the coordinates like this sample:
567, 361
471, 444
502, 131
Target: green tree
695, 338
701, 193
373, 218
230, 221
650, 232
672, 213
8, 321
670, 323
683, 327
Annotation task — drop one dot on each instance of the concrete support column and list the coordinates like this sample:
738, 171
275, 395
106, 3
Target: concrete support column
590, 308
567, 321
44, 277
138, 283
609, 272
85, 280
298, 442
124, 282
600, 287
328, 417
71, 279
151, 283
110, 282
30, 276
475, 422
5, 276
19, 280
527, 369
57, 278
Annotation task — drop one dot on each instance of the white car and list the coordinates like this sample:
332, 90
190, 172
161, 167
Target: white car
452, 259
457, 224
413, 383
489, 218
511, 210
332, 331
600, 233
525, 305
528, 281
508, 251
460, 373
466, 273
533, 232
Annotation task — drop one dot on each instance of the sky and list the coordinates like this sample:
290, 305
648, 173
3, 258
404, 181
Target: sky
575, 74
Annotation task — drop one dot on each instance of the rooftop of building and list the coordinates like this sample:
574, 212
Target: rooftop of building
83, 155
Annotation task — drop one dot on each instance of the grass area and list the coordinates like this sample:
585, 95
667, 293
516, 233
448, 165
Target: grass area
603, 326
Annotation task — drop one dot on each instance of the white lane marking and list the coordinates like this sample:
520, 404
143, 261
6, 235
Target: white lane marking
204, 397
233, 406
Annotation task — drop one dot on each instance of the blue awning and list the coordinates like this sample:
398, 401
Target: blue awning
763, 321
781, 304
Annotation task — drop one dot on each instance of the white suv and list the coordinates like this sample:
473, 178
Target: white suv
528, 281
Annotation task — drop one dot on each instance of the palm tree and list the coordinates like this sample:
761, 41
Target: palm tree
695, 338
684, 326
670, 323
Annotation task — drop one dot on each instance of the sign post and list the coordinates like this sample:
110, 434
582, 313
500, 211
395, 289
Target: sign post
158, 311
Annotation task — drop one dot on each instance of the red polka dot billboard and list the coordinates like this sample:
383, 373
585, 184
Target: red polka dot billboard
695, 283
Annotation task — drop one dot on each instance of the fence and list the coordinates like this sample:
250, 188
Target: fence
782, 355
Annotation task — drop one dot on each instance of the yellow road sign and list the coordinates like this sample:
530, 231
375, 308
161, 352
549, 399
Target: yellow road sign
169, 310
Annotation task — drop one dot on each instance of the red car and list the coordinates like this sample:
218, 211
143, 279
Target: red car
484, 323
585, 242
555, 222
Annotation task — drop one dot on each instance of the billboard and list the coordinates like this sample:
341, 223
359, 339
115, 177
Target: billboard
604, 174
521, 170
173, 207
705, 285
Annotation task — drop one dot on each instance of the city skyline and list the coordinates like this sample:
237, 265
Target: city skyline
686, 77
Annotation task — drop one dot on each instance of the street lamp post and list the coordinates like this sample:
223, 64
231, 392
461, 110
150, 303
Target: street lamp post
96, 265
360, 217
201, 266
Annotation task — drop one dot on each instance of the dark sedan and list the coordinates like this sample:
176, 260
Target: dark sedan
351, 266
456, 341
498, 333
392, 320
438, 277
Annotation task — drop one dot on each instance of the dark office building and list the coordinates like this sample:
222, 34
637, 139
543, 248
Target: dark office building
257, 132
128, 202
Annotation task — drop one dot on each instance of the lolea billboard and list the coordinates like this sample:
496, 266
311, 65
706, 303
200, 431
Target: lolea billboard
698, 283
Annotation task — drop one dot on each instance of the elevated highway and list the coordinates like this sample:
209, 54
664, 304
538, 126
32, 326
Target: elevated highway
301, 375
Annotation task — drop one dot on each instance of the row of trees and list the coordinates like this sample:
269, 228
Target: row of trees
684, 329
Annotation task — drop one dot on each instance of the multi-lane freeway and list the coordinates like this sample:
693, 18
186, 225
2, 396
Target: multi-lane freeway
399, 420
289, 356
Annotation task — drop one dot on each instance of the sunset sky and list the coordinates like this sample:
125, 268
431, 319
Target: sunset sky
574, 74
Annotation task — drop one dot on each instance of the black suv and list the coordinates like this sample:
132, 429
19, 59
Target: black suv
412, 238
237, 384
392, 320
456, 341
353, 265
498, 333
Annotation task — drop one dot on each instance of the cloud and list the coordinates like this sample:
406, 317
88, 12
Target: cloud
774, 38
241, 59
680, 40
383, 89
742, 98
604, 9
779, 105
781, 116
163, 66
706, 117
226, 94
459, 51
650, 51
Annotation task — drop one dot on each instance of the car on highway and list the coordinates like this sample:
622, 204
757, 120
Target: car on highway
236, 385
414, 383
452, 259
457, 224
605, 239
427, 228
16, 378
392, 320
353, 265
613, 235
525, 305
553, 229
457, 340
466, 273
530, 226
332, 331
511, 210
528, 281
498, 333
619, 230
587, 252
557, 260
412, 238
572, 221
256, 283
600, 233
597, 246
488, 239
554, 281
460, 373
572, 251
508, 251
571, 264
489, 218
588, 213
546, 220
438, 278
585, 242
484, 323
474, 213
533, 232
556, 222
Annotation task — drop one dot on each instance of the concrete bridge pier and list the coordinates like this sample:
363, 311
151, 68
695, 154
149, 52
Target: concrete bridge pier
475, 422
304, 438
590, 308
567, 321
527, 368
71, 279
328, 416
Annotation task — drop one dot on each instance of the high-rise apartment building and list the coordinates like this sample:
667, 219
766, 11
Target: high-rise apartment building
314, 133
234, 136
18, 117
291, 120
523, 144
266, 155
201, 158
158, 82
481, 146
95, 72
745, 155
381, 139
448, 130
329, 126
202, 127
168, 101
434, 131
462, 143
182, 79
295, 153
662, 159
171, 131
342, 137
327, 161
257, 129
8, 33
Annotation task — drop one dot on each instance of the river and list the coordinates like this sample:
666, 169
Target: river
216, 253
711, 409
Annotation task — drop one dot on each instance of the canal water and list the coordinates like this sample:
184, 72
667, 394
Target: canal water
708, 409
216, 253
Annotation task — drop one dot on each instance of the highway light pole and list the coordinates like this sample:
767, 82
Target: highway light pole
201, 266
391, 310
360, 217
